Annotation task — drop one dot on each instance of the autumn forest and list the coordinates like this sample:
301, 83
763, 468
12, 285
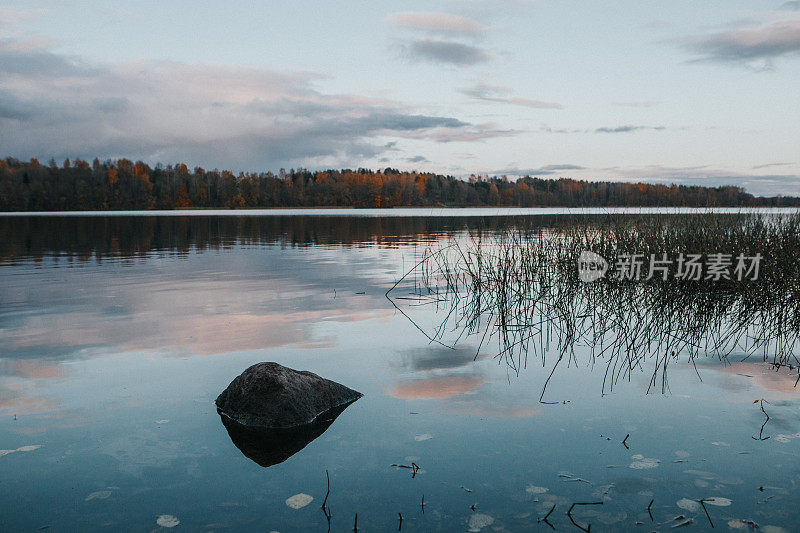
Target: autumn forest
123, 184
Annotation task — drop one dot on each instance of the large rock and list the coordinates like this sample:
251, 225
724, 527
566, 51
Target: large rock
271, 396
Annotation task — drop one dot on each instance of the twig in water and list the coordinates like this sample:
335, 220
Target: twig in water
327, 493
588, 527
624, 441
422, 504
400, 527
569, 477
553, 508
649, 505
325, 510
355, 524
703, 503
761, 433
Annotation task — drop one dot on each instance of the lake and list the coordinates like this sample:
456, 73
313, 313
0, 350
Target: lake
118, 332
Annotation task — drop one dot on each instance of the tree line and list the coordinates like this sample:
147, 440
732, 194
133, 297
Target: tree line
124, 184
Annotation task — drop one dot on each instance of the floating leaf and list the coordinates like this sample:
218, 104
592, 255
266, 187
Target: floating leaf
298, 501
167, 520
718, 501
424, 436
29, 448
643, 463
742, 524
479, 521
99, 495
533, 489
688, 505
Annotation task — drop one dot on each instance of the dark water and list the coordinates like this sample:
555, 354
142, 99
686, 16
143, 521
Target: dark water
117, 334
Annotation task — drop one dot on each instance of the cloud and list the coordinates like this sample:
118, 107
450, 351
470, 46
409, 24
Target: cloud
479, 132
454, 53
418, 159
492, 93
207, 114
433, 358
540, 171
790, 6
742, 45
438, 23
628, 129
437, 387
547, 129
768, 165
11, 17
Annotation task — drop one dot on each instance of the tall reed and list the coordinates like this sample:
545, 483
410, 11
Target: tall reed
520, 288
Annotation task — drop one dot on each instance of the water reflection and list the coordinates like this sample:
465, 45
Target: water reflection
112, 361
88, 239
267, 447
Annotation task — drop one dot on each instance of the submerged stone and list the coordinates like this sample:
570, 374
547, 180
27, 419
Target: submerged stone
271, 396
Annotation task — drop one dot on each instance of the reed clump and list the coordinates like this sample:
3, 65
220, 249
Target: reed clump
521, 288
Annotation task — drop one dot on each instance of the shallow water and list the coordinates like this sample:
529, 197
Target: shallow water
117, 334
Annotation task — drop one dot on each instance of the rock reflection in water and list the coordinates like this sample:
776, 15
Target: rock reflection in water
269, 447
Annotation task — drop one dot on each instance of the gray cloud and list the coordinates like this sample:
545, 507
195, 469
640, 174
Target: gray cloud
418, 159
547, 129
493, 93
546, 170
768, 165
479, 132
628, 129
790, 6
444, 24
742, 45
210, 115
450, 52
33, 63
111, 104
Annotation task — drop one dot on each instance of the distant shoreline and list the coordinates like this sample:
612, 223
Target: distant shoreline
402, 211
124, 185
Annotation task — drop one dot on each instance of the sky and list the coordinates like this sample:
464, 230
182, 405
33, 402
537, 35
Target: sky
698, 93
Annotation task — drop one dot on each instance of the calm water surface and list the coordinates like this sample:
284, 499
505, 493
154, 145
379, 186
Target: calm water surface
117, 334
